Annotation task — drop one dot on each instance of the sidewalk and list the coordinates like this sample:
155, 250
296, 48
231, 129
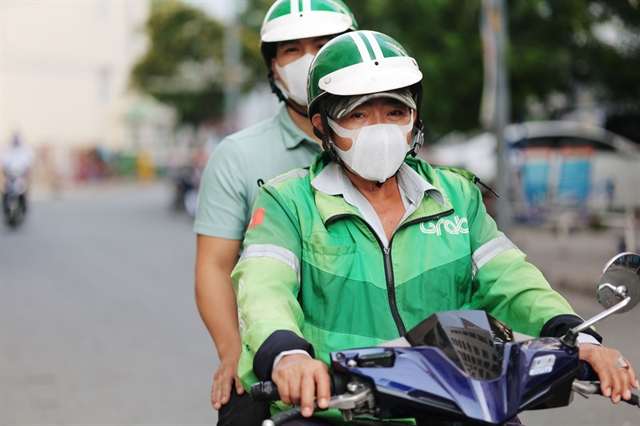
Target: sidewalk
578, 266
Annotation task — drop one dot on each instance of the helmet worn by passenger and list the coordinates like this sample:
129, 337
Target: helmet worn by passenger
361, 63
298, 19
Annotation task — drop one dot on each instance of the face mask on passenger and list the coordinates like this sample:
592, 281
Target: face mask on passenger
294, 76
377, 151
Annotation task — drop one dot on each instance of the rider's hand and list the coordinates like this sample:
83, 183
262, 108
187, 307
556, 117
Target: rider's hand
615, 382
300, 378
225, 377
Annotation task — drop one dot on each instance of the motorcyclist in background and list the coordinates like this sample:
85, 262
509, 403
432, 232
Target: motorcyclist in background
369, 241
291, 35
16, 163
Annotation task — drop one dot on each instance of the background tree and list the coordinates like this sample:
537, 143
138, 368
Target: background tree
183, 64
556, 48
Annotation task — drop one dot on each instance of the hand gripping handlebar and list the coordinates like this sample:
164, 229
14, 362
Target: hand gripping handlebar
585, 372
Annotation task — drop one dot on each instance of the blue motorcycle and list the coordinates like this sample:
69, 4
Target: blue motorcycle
467, 368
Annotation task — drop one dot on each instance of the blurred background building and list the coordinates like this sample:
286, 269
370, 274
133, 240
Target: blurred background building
68, 91
65, 74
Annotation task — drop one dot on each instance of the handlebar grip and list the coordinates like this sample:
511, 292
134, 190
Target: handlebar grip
268, 391
284, 417
264, 392
585, 372
634, 400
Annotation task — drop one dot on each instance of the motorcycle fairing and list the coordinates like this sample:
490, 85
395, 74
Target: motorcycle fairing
464, 366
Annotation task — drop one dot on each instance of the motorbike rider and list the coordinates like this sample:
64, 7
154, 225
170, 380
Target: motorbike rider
291, 34
16, 163
369, 241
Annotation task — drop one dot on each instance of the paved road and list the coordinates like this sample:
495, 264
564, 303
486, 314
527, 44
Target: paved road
99, 325
621, 332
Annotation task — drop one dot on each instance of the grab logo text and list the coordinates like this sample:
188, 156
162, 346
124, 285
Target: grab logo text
454, 227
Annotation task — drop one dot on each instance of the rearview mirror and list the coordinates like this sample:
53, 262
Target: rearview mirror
620, 279
618, 291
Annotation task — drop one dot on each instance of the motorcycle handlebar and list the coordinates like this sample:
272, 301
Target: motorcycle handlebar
268, 391
264, 392
286, 416
634, 400
586, 373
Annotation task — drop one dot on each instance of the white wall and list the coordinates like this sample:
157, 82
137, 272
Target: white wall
64, 70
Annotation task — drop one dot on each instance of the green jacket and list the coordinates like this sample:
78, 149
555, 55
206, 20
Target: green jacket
312, 266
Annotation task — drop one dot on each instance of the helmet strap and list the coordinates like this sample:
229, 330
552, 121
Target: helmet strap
418, 138
327, 145
275, 89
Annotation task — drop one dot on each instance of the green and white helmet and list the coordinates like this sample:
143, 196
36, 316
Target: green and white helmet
297, 19
361, 63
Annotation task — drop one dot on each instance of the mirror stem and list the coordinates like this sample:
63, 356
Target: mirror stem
569, 339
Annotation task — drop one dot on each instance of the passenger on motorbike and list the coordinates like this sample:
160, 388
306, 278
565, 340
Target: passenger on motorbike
292, 33
369, 241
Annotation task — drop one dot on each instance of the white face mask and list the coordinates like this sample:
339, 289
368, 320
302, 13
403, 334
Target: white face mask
377, 152
294, 75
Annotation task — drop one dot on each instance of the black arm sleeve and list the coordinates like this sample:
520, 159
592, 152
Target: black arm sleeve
558, 327
278, 342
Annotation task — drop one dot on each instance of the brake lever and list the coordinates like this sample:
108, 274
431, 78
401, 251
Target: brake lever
358, 400
585, 389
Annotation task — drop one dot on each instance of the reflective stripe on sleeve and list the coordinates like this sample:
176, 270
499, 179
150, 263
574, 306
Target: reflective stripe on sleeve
291, 175
488, 251
275, 252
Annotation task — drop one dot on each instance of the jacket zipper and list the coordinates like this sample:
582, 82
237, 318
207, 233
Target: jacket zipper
388, 265
391, 290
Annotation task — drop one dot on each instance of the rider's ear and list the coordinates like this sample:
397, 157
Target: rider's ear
273, 69
316, 120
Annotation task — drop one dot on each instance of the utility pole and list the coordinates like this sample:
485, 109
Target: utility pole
496, 103
231, 66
